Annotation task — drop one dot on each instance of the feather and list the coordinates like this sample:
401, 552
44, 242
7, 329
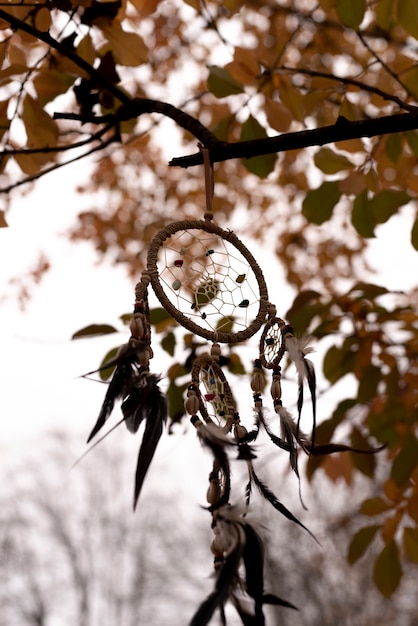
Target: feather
270, 598
155, 414
225, 581
297, 351
119, 386
275, 502
125, 364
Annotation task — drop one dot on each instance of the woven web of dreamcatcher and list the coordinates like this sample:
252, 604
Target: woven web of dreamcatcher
208, 280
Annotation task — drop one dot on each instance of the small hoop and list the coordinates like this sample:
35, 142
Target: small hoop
200, 273
272, 345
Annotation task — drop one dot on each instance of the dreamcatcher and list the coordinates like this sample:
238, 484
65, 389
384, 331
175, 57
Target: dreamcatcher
211, 284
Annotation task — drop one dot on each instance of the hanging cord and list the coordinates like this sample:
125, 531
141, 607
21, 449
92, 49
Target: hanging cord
209, 182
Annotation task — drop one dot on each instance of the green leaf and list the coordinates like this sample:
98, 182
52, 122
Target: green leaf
387, 570
94, 330
235, 365
386, 203
394, 147
406, 461
262, 165
414, 234
168, 343
221, 83
412, 139
384, 14
360, 542
365, 463
339, 361
351, 12
374, 506
368, 383
160, 319
410, 543
175, 399
331, 162
319, 203
408, 16
107, 373
361, 216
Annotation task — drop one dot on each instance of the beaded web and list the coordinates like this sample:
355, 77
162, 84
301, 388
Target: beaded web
208, 280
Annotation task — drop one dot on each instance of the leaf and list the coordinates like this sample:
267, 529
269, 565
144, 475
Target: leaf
351, 12
41, 129
387, 570
331, 162
319, 203
127, 48
412, 139
374, 506
160, 319
339, 361
106, 372
407, 14
360, 542
410, 543
262, 165
278, 115
3, 223
365, 463
221, 83
384, 14
406, 461
168, 343
386, 203
368, 383
93, 330
361, 217
414, 234
51, 83
244, 68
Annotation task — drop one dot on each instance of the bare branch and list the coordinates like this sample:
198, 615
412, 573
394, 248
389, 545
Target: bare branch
342, 130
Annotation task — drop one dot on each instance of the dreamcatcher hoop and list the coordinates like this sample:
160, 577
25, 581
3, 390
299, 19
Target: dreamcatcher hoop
212, 290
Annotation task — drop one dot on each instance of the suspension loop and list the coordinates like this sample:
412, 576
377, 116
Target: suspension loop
208, 281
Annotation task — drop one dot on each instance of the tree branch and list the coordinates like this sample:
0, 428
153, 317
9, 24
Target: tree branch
46, 38
342, 130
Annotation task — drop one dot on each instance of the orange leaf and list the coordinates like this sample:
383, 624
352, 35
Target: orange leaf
41, 129
127, 48
278, 115
244, 68
390, 526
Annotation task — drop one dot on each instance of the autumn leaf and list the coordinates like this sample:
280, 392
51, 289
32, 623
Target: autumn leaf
128, 48
41, 129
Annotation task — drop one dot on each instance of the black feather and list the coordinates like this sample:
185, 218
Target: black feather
275, 502
224, 582
155, 414
119, 386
